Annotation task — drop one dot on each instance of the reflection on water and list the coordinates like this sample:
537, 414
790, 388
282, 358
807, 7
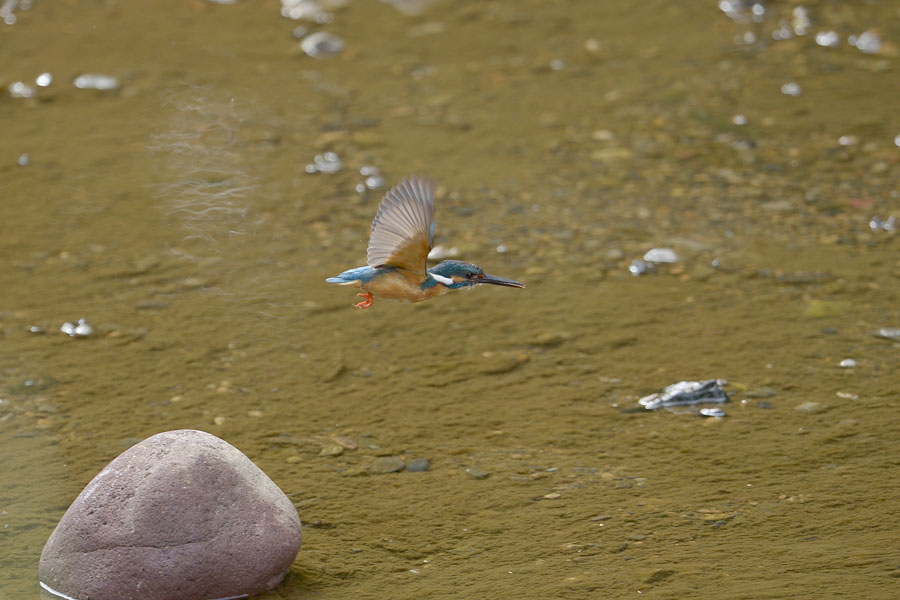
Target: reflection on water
176, 213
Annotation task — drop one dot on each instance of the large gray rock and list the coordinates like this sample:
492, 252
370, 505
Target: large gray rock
183, 515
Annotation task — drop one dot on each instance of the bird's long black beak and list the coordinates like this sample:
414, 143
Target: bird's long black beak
494, 280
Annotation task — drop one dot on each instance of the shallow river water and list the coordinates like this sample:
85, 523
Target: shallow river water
175, 213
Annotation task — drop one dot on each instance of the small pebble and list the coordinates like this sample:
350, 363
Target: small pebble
309, 10
20, 89
782, 33
495, 363
90, 81
661, 255
477, 473
81, 329
791, 89
387, 464
758, 10
639, 267
44, 79
375, 182
868, 42
848, 363
417, 465
891, 333
800, 20
660, 575
810, 407
344, 442
328, 162
322, 44
548, 339
890, 224
828, 39
717, 413
762, 392
331, 450
24, 160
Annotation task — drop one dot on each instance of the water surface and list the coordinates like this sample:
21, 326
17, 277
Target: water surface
175, 214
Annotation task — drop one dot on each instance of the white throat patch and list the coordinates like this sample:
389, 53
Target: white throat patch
442, 279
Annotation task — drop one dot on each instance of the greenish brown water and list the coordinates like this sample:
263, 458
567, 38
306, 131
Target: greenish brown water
175, 215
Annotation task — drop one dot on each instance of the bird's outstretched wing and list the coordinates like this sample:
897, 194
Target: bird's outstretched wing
403, 229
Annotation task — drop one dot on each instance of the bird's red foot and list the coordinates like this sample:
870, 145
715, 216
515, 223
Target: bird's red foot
369, 301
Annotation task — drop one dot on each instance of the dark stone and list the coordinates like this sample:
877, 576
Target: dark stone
182, 514
763, 392
660, 575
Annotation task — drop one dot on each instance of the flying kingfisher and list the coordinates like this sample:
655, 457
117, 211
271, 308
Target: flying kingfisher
402, 236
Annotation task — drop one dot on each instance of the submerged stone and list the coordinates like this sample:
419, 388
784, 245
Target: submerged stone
387, 464
418, 465
182, 514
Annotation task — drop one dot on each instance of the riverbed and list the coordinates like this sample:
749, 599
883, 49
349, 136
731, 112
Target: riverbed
191, 208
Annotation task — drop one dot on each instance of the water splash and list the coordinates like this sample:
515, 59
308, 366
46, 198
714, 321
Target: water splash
203, 185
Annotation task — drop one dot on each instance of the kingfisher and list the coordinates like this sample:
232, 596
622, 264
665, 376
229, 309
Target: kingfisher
401, 238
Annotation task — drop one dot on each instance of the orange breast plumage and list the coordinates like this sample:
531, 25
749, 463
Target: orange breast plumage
395, 285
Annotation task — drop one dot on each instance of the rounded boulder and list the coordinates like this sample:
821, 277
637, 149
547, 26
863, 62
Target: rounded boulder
182, 514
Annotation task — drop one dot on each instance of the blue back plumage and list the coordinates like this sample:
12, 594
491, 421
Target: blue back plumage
362, 274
